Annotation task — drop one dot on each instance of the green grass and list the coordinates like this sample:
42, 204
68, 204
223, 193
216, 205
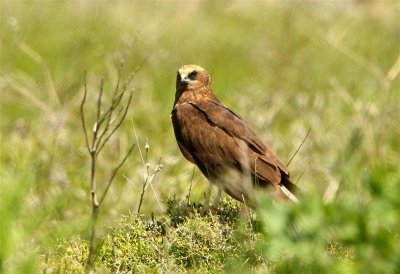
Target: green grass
285, 67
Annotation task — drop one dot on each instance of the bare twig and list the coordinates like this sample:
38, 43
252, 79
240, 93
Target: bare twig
107, 117
147, 178
149, 181
118, 124
99, 100
100, 137
114, 103
83, 115
114, 173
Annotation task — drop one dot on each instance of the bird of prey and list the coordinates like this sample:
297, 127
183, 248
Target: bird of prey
222, 145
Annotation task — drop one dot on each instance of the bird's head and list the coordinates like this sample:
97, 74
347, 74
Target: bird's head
192, 77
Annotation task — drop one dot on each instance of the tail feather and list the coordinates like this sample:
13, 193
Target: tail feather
286, 194
287, 187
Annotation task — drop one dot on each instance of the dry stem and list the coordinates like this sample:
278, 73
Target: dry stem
103, 130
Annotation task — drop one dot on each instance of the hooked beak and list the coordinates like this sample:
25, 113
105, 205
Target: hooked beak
185, 80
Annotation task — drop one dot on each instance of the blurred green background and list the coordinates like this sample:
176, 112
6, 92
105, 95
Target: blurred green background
286, 67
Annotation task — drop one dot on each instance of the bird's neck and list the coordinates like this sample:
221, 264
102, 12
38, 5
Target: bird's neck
194, 95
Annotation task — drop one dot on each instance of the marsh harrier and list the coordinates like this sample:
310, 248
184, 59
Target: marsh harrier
222, 145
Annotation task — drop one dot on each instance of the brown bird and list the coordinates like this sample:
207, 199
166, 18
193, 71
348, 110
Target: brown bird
221, 144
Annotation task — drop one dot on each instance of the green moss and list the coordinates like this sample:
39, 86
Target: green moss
132, 246
199, 243
66, 256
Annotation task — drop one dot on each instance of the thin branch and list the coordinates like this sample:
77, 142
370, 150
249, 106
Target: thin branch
149, 180
114, 173
96, 125
109, 122
83, 115
116, 99
117, 85
146, 177
116, 116
99, 100
147, 147
157, 169
118, 125
93, 180
89, 262
101, 135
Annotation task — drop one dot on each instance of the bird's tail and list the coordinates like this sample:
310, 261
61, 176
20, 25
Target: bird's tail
286, 188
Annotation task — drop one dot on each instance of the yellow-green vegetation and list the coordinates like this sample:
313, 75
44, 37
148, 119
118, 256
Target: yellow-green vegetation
332, 67
174, 243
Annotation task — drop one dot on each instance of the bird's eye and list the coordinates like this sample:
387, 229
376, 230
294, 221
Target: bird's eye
192, 75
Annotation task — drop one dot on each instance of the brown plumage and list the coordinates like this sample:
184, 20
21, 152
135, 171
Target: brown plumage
221, 144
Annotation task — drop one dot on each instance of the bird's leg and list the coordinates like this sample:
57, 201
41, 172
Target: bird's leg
206, 205
217, 198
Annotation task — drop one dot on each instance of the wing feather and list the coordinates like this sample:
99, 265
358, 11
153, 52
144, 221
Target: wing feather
265, 163
214, 138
